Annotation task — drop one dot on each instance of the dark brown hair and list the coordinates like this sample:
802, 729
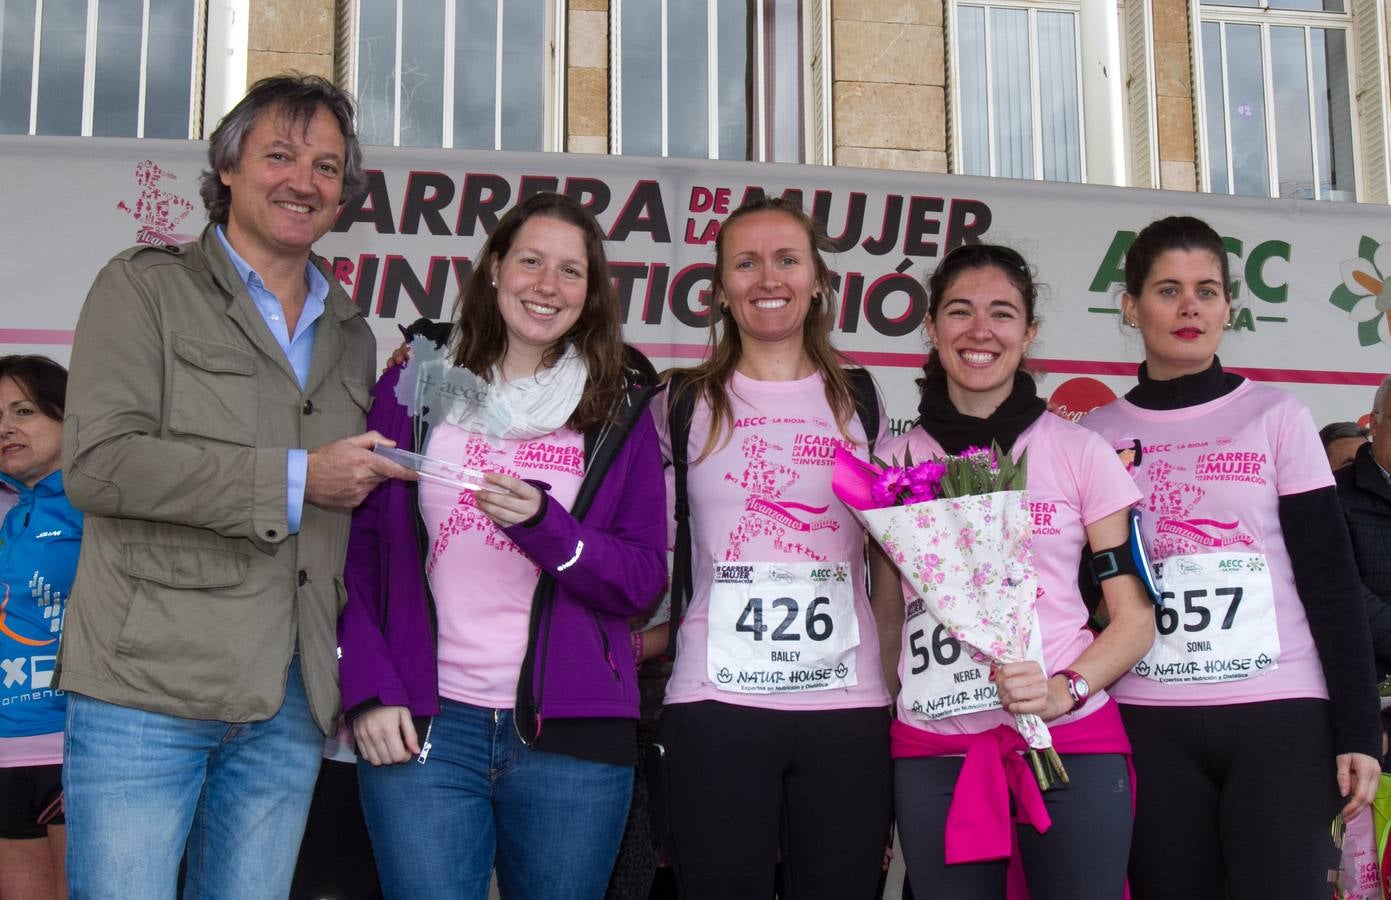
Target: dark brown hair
711, 378
40, 379
597, 334
976, 256
1172, 233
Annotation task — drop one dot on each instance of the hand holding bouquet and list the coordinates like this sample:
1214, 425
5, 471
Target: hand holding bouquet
959, 530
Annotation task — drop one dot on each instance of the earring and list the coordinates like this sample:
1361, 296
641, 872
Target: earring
493, 283
1227, 325
1130, 324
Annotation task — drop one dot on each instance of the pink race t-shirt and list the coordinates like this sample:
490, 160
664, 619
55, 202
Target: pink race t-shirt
1073, 480
1233, 629
482, 581
36, 750
779, 617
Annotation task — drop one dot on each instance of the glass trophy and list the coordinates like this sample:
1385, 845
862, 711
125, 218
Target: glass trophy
440, 471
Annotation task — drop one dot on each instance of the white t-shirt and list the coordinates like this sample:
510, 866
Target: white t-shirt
1074, 479
482, 581
1234, 630
779, 559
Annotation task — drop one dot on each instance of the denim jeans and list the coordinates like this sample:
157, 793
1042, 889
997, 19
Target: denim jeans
552, 823
141, 786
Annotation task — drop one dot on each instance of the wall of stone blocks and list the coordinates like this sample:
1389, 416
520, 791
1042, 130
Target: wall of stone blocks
587, 76
888, 106
289, 35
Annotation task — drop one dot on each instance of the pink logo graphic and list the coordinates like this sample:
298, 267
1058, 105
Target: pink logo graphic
466, 516
765, 512
1205, 532
157, 211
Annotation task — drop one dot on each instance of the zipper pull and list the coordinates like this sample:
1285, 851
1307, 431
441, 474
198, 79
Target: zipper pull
613, 665
425, 747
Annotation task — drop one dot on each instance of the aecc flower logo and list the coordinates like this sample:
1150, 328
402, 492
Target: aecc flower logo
1365, 294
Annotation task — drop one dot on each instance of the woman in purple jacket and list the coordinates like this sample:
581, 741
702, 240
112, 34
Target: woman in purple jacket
485, 660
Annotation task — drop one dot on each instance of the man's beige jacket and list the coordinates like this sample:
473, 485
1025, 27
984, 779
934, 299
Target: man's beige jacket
191, 594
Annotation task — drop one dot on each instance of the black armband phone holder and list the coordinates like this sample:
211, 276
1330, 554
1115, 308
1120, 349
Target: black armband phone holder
1129, 558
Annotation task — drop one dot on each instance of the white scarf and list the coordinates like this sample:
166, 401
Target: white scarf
527, 407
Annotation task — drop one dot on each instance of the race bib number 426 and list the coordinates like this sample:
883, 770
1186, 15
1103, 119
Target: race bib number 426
777, 627
1217, 621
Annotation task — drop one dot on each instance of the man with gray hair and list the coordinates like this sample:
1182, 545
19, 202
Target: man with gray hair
199, 653
1364, 489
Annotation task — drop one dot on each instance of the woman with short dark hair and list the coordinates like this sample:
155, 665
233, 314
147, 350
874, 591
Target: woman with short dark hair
39, 541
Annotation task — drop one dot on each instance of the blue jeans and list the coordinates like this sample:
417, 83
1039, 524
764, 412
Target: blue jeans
552, 822
141, 786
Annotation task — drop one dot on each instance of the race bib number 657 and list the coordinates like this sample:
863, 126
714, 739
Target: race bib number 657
777, 627
1217, 622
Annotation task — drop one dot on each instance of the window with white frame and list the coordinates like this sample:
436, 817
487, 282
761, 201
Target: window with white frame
713, 79
476, 74
1017, 107
1277, 111
111, 68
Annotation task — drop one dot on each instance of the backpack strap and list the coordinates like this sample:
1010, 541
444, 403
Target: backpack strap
866, 403
681, 399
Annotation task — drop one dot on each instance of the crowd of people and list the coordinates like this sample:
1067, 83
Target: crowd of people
248, 561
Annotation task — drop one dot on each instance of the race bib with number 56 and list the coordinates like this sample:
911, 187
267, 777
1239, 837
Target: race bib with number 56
941, 677
778, 627
1217, 621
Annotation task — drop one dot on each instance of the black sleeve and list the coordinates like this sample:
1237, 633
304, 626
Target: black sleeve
1325, 575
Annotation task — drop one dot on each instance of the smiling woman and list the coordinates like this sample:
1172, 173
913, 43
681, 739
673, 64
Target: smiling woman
975, 393
751, 732
39, 540
464, 604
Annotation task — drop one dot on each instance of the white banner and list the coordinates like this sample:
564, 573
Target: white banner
1312, 304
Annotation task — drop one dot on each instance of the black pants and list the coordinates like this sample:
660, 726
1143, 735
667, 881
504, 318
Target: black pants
739, 777
1081, 857
335, 857
1233, 801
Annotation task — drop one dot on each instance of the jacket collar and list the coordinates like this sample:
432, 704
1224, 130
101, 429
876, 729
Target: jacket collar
327, 341
337, 304
1368, 474
48, 486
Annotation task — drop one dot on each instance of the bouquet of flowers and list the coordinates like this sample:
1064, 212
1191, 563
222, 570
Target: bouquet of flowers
959, 529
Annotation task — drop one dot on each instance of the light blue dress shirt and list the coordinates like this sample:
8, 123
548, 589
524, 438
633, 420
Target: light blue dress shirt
298, 348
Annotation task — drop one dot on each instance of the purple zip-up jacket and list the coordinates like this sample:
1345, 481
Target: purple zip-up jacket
614, 567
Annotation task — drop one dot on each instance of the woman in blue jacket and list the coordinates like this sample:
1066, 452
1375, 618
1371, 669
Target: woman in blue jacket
38, 557
486, 662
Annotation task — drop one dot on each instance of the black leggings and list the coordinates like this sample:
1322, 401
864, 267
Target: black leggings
1233, 801
739, 777
1081, 857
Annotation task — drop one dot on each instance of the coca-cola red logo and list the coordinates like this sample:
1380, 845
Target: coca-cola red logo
1076, 397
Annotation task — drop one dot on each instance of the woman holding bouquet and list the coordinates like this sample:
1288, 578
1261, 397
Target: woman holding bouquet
776, 718
485, 660
1254, 715
958, 768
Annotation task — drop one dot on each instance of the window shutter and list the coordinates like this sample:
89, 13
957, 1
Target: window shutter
1369, 26
1140, 93
816, 49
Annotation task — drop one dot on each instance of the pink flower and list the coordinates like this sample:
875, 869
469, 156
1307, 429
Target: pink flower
924, 478
887, 488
